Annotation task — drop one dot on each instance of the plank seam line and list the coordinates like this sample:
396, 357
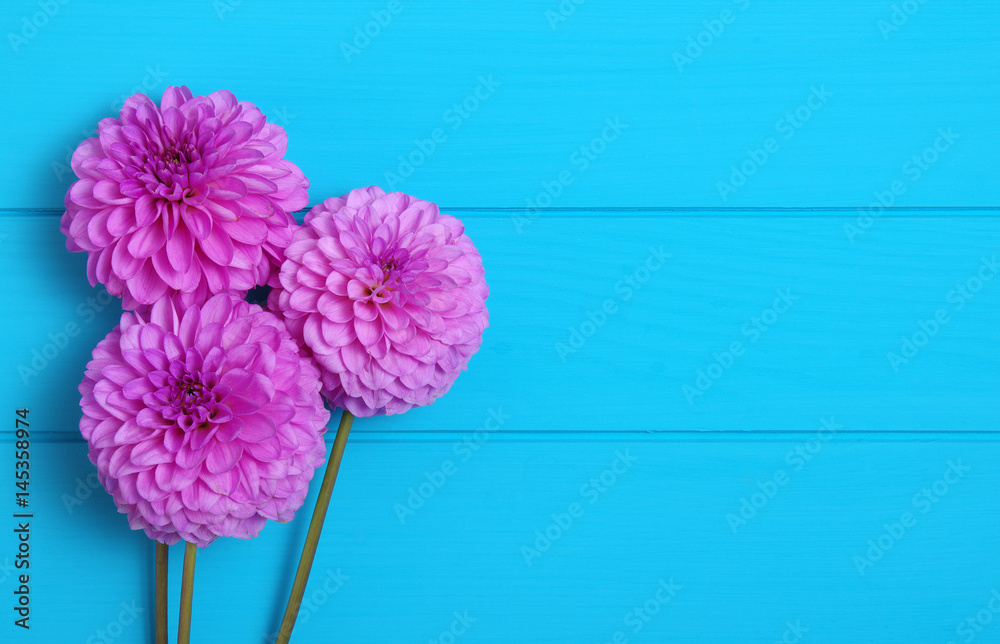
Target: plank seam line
595, 436
640, 209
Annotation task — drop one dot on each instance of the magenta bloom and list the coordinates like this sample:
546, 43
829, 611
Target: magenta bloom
388, 295
205, 423
190, 198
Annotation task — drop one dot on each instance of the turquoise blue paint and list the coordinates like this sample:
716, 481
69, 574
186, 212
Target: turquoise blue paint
349, 121
740, 380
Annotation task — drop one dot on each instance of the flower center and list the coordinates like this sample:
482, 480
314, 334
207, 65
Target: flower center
189, 397
168, 167
177, 157
388, 274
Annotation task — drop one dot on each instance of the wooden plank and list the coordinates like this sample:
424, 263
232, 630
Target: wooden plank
759, 322
869, 95
662, 519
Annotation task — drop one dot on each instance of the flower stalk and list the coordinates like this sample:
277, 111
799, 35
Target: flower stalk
162, 558
187, 594
315, 529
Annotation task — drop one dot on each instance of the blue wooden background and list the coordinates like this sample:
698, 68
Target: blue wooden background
740, 383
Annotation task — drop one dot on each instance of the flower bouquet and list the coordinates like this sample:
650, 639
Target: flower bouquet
204, 413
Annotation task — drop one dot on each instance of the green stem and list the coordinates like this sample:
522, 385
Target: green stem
162, 556
187, 594
315, 528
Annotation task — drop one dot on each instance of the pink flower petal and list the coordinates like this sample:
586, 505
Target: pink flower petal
224, 457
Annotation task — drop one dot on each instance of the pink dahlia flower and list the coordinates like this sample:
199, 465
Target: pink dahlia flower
190, 198
205, 423
388, 295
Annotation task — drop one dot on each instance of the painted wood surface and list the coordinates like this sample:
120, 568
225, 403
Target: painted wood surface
867, 97
749, 328
663, 322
